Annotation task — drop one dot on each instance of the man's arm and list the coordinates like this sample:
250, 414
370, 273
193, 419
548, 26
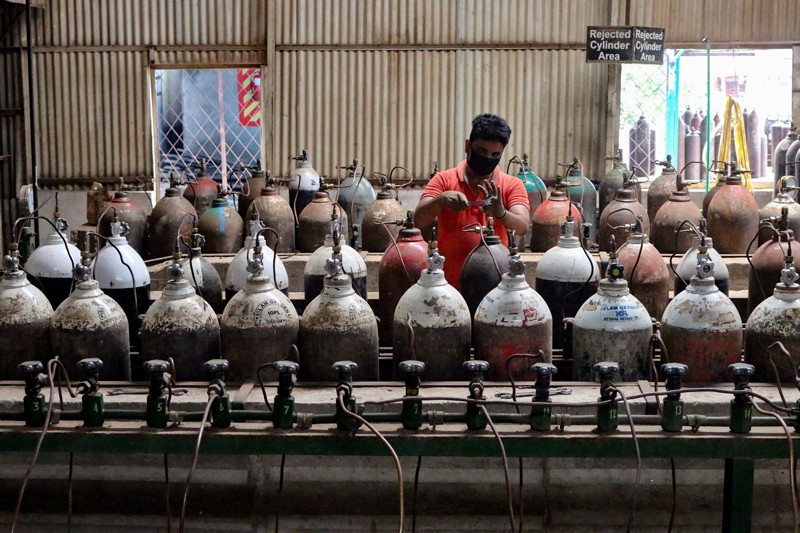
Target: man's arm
429, 207
516, 218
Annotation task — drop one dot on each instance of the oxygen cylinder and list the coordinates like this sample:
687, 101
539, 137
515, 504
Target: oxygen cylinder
548, 218
52, 263
581, 191
356, 195
338, 322
91, 324
678, 208
776, 319
432, 324
791, 157
793, 192
315, 223
534, 186
752, 135
774, 209
694, 152
779, 156
687, 115
660, 190
202, 190
512, 319
681, 143
614, 180
401, 266
276, 213
611, 325
314, 272
130, 213
202, 276
122, 275
713, 192
767, 263
702, 328
222, 227
181, 325
686, 268
255, 188
380, 224
484, 266
624, 211
566, 277
236, 275
259, 324
96, 200
303, 186
171, 216
25, 313
732, 216
646, 273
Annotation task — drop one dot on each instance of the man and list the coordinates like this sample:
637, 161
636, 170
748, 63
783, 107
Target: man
448, 194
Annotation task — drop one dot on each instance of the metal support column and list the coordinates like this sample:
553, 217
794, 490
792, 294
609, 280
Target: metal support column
737, 504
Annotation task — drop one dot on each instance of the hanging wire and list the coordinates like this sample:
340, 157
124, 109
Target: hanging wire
509, 495
213, 397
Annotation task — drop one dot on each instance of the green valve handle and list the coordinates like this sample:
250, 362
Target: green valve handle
92, 404
741, 405
672, 412
284, 401
344, 370
215, 370
475, 418
607, 414
541, 415
35, 379
157, 414
411, 414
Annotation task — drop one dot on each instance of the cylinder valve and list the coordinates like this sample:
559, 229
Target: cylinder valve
475, 418
607, 417
92, 398
672, 413
157, 399
214, 370
35, 379
741, 405
541, 415
284, 401
344, 370
411, 415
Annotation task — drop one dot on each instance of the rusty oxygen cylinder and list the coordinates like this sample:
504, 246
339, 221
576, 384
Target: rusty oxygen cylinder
702, 328
169, 218
181, 325
380, 226
548, 219
254, 188
773, 211
776, 320
484, 266
276, 213
688, 264
222, 227
779, 156
512, 319
25, 313
202, 275
90, 323
202, 190
315, 223
661, 188
613, 181
679, 207
566, 277
722, 177
259, 324
129, 212
337, 322
51, 264
612, 325
732, 214
401, 267
768, 261
624, 211
304, 184
432, 324
647, 275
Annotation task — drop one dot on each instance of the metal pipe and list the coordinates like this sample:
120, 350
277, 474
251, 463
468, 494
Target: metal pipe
709, 140
32, 116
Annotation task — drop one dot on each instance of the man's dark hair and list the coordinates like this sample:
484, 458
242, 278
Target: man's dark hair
490, 128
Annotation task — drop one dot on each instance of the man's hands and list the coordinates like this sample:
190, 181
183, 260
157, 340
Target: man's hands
453, 200
495, 209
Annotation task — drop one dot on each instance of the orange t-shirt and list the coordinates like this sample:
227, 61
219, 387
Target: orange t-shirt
454, 244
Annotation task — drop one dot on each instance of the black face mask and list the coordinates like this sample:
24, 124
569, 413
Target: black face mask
480, 164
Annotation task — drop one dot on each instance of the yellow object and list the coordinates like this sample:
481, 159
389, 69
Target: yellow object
733, 116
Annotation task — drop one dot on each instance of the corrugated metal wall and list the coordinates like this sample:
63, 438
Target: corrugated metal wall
389, 81
722, 21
